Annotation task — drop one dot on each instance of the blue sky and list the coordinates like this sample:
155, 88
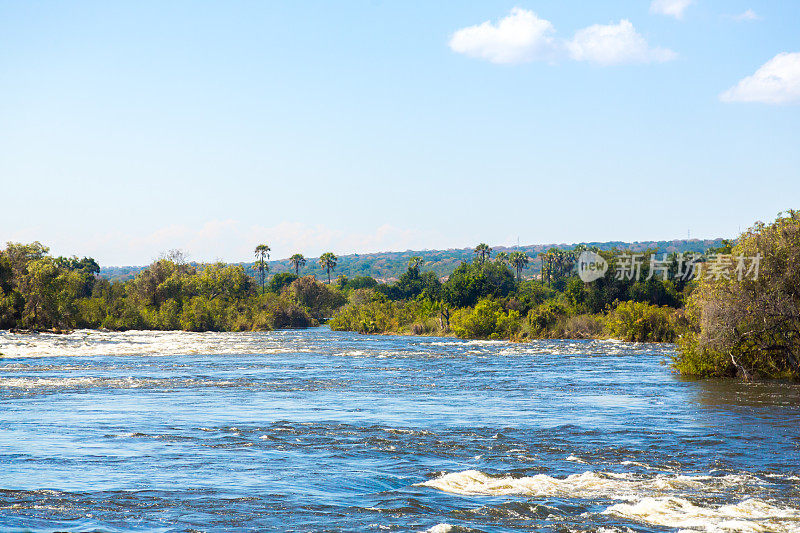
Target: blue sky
130, 128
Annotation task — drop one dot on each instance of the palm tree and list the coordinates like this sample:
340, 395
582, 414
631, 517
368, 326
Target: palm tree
415, 262
502, 258
262, 255
546, 259
328, 262
520, 260
298, 262
483, 251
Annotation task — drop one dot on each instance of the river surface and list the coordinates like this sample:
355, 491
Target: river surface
315, 430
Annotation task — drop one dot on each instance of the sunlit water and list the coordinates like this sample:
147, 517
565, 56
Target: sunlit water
321, 431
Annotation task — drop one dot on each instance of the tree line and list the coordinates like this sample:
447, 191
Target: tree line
488, 298
723, 326
40, 292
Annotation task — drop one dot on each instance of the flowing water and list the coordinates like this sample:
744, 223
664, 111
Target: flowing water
321, 431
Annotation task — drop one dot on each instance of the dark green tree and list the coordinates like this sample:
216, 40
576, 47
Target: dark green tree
482, 251
328, 262
298, 262
415, 262
519, 260
262, 256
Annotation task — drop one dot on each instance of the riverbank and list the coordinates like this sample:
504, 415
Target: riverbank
491, 319
735, 312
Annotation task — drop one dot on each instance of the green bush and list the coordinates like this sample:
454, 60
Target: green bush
584, 327
746, 324
694, 360
369, 311
546, 320
487, 320
319, 299
374, 316
641, 322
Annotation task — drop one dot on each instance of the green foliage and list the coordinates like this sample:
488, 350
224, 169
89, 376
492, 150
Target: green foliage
261, 264
483, 252
694, 360
482, 299
545, 319
387, 266
40, 292
279, 281
519, 260
369, 311
328, 262
600, 295
487, 320
297, 261
557, 266
749, 325
413, 284
729, 326
473, 281
320, 299
359, 282
528, 295
641, 322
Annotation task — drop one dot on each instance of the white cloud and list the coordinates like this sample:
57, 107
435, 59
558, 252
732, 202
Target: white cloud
747, 16
671, 8
776, 82
518, 38
615, 44
522, 37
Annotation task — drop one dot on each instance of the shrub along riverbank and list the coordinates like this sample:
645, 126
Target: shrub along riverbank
530, 311
40, 292
749, 325
491, 319
480, 299
725, 324
734, 312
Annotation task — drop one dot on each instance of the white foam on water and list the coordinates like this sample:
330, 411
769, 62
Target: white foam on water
635, 463
352, 353
143, 343
750, 515
656, 500
575, 459
440, 528
35, 383
586, 485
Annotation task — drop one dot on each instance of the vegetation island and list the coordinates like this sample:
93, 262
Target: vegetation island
726, 322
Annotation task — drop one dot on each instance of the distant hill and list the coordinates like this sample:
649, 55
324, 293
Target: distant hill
387, 266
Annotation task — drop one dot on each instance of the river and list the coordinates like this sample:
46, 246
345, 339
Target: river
313, 430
